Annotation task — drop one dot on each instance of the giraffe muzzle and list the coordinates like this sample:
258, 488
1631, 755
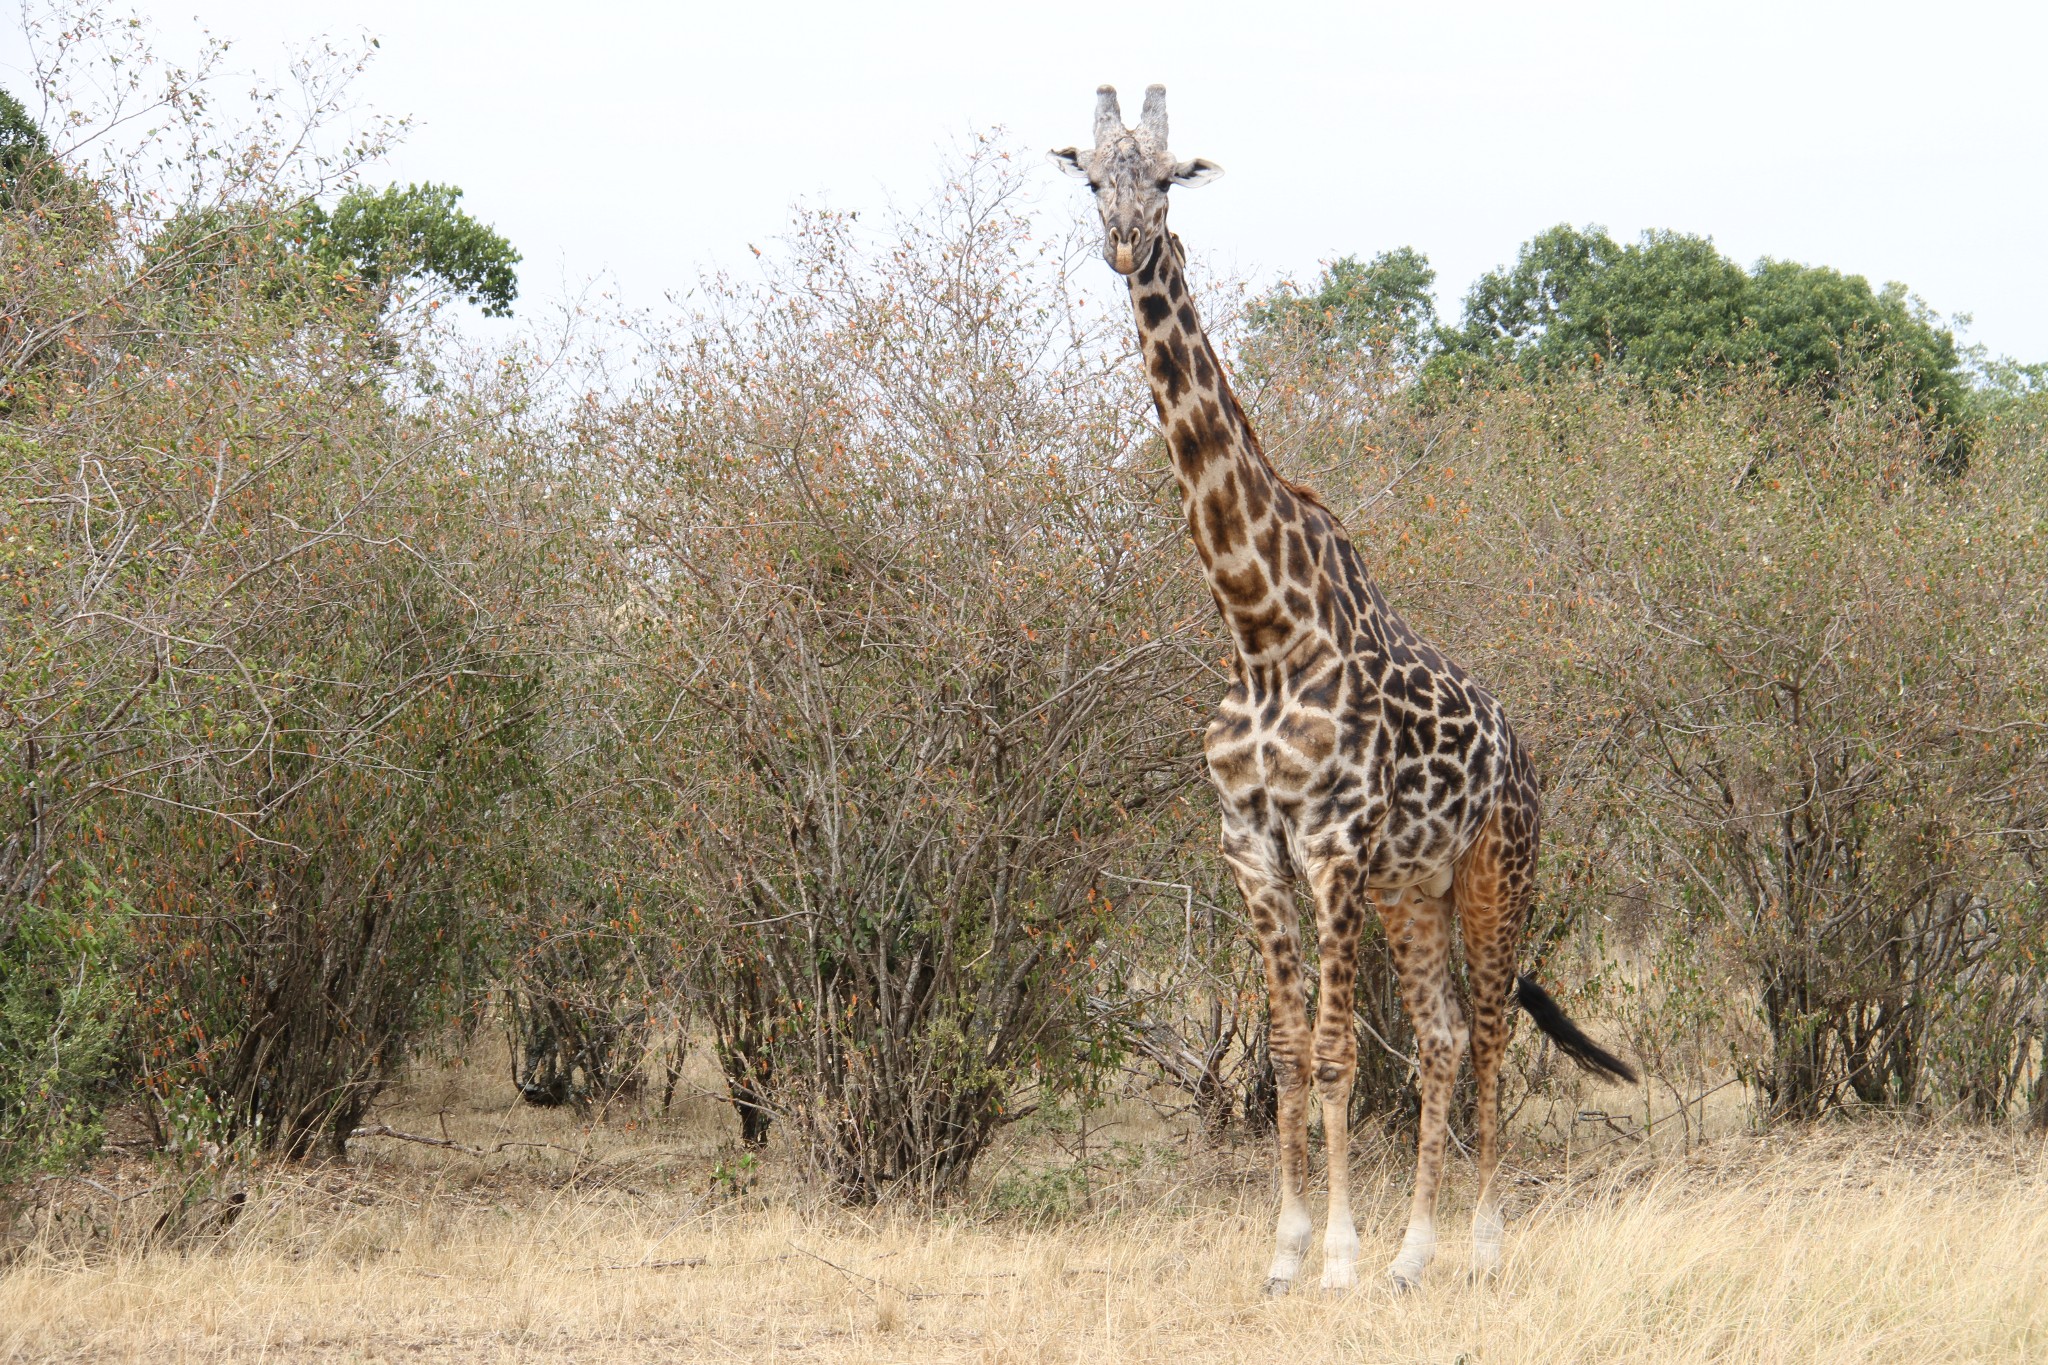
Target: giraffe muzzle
1123, 250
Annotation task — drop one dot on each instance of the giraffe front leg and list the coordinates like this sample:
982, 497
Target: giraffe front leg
1288, 1040
1273, 919
1439, 1045
1339, 920
1295, 1226
1418, 933
1340, 1236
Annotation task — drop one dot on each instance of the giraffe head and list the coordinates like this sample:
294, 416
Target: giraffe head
1130, 172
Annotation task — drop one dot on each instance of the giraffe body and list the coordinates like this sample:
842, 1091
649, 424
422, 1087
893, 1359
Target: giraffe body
1350, 757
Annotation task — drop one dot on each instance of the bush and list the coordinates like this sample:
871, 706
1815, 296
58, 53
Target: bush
923, 651
60, 996
1808, 670
1780, 673
257, 661
835, 684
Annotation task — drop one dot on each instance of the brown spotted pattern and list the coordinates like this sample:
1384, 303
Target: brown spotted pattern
1349, 754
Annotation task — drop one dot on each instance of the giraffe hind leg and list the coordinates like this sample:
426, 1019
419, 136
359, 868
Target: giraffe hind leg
1491, 890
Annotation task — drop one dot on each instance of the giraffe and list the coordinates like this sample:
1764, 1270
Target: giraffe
1347, 754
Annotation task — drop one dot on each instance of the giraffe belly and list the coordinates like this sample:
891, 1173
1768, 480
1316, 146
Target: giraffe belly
1394, 841
1420, 848
1313, 794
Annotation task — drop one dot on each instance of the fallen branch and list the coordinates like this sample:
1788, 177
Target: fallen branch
850, 1274
1641, 1134
385, 1130
1195, 1073
52, 1179
680, 1263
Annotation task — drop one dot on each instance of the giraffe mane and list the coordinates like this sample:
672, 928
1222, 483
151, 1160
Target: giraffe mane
1299, 490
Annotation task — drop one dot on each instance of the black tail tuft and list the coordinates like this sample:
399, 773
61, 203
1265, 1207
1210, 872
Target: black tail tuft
1569, 1037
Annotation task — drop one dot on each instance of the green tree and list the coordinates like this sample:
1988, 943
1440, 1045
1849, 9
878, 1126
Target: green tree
2012, 397
1382, 307
377, 253
1670, 307
22, 143
1814, 324
1509, 311
389, 238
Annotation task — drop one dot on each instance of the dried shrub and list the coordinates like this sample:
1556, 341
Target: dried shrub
1783, 681
258, 654
923, 642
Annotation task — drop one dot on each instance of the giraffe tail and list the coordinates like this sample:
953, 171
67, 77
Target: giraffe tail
1569, 1037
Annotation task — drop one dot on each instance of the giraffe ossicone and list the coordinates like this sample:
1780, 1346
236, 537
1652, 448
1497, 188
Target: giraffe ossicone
1347, 754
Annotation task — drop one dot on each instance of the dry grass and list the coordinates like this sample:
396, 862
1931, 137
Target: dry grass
619, 1243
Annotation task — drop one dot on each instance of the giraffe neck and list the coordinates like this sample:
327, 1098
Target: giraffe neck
1254, 531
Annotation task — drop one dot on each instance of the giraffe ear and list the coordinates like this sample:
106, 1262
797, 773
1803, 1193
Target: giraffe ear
1068, 159
1200, 171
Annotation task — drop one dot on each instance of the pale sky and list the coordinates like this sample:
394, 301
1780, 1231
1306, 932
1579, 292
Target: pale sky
644, 142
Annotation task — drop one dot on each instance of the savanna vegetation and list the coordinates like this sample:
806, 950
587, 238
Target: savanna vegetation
807, 700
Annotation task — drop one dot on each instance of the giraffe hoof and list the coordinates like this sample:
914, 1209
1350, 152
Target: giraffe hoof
1277, 1288
1403, 1283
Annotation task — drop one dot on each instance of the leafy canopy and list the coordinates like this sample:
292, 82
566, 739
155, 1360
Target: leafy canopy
1670, 306
1382, 307
24, 149
418, 233
20, 138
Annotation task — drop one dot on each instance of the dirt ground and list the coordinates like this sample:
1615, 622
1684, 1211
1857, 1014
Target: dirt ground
640, 1236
